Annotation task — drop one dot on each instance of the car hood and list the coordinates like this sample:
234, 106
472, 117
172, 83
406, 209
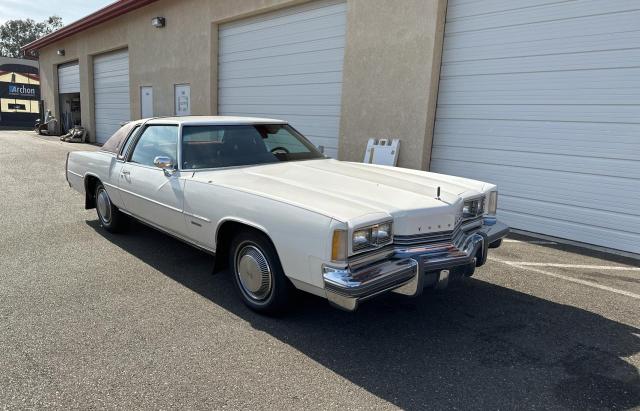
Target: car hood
356, 193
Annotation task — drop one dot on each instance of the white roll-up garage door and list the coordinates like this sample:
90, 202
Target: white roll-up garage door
542, 97
69, 78
111, 85
287, 65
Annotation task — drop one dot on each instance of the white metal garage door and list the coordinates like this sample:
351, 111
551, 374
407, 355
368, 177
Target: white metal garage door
542, 97
287, 65
111, 85
69, 78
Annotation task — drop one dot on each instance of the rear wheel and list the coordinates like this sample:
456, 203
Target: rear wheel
110, 217
257, 273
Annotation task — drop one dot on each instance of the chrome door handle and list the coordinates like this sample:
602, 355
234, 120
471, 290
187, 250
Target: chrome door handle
125, 173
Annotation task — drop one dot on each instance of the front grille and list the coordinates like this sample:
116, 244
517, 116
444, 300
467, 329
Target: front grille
452, 236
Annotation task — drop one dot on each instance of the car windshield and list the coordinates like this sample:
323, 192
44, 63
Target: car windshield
214, 146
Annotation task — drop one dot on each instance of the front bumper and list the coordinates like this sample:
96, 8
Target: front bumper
408, 270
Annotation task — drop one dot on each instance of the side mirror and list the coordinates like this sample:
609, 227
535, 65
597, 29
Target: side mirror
166, 164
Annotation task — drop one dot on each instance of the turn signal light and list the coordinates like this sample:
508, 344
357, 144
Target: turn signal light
339, 245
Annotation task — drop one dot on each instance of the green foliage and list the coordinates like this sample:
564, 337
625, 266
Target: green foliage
17, 33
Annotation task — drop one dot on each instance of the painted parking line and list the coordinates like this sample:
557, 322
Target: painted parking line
567, 278
579, 266
537, 242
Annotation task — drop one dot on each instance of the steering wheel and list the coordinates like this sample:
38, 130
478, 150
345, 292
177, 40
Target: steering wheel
279, 150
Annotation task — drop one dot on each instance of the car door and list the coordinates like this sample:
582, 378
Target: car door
148, 192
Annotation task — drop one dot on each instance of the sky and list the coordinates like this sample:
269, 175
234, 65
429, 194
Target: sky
69, 10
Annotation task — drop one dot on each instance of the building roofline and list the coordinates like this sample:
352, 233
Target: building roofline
106, 13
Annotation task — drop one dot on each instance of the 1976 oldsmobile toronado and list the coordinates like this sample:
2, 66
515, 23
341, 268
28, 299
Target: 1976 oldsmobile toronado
281, 216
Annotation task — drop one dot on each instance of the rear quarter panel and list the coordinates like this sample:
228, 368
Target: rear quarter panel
99, 164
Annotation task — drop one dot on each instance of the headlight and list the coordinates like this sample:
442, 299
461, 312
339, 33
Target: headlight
372, 236
473, 208
492, 203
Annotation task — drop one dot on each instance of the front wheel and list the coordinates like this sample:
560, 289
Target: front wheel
257, 273
110, 217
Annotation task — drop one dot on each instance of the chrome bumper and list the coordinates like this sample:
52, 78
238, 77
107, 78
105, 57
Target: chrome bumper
408, 270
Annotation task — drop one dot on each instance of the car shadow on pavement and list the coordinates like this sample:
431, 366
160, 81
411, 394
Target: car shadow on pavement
476, 345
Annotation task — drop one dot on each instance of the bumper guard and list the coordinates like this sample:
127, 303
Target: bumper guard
408, 270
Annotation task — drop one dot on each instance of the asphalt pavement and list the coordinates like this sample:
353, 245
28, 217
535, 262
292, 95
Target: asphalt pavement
94, 320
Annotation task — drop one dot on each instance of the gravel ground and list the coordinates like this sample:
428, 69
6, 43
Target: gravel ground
94, 320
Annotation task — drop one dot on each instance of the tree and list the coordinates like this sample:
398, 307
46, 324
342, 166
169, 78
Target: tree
16, 33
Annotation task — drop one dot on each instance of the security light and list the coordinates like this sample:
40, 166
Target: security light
60, 52
157, 22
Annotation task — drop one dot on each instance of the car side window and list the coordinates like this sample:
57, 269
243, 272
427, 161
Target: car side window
156, 140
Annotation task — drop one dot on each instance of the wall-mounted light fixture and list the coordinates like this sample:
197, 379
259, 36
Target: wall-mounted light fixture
60, 52
158, 22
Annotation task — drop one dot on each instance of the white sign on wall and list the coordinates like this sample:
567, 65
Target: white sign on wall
183, 99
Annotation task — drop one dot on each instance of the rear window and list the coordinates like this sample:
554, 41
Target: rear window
116, 141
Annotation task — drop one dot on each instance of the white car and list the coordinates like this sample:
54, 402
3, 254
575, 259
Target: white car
281, 216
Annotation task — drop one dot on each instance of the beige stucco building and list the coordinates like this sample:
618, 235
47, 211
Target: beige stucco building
389, 73
539, 97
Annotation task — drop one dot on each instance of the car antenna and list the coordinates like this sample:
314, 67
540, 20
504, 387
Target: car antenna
438, 193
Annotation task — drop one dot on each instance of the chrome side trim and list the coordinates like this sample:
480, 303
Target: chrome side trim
75, 174
151, 200
198, 217
111, 185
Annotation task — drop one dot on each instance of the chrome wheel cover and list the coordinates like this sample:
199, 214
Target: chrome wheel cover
103, 203
253, 272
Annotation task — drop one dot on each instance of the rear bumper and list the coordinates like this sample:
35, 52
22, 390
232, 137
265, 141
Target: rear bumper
408, 270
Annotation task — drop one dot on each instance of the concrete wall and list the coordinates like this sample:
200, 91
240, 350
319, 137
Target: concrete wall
391, 69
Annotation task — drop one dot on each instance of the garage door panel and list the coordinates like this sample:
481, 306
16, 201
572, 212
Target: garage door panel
574, 44
304, 100
543, 113
580, 61
296, 33
111, 92
601, 134
286, 64
547, 161
597, 218
331, 43
590, 10
306, 12
545, 96
281, 69
616, 195
334, 56
567, 80
291, 79
460, 8
69, 78
629, 152
306, 110
326, 91
585, 233
561, 29
530, 182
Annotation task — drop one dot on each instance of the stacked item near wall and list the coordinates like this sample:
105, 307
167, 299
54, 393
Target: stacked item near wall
77, 134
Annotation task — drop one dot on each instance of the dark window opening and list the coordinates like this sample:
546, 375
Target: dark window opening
214, 146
